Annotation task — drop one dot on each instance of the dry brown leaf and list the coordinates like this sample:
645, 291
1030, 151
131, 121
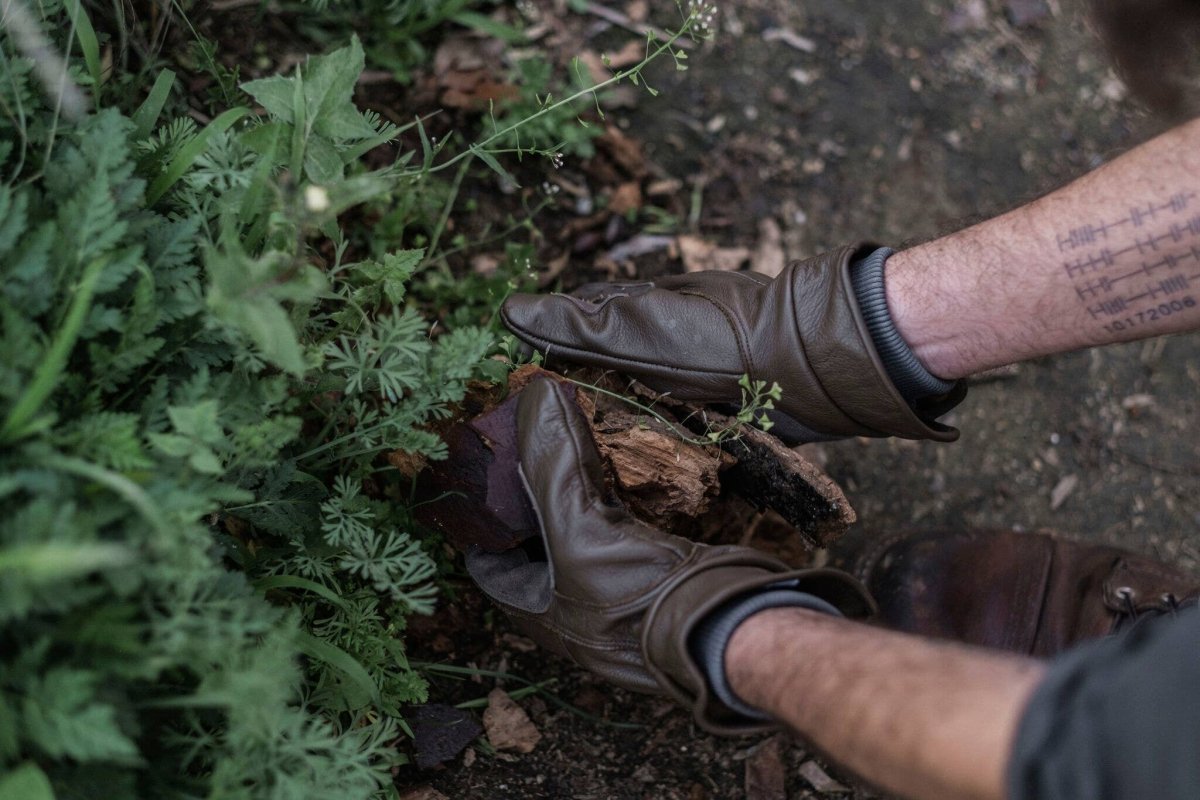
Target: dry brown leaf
595, 66
507, 725
627, 197
765, 777
485, 264
476, 91
699, 255
408, 464
637, 10
624, 150
633, 52
467, 70
768, 255
464, 53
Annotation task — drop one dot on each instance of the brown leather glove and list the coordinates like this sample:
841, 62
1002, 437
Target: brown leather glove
695, 335
614, 594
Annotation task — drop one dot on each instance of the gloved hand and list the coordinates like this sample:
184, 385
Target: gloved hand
616, 595
695, 335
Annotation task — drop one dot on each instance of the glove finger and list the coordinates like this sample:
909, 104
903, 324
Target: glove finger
675, 342
596, 551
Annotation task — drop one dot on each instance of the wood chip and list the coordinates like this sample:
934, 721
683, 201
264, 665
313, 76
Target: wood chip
508, 726
664, 187
790, 38
768, 255
646, 460
1062, 490
811, 771
765, 776
1137, 402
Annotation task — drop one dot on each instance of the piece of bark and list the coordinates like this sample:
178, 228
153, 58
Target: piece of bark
765, 776
476, 498
774, 476
660, 477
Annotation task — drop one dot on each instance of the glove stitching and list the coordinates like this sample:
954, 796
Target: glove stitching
617, 361
812, 365
638, 529
615, 644
739, 336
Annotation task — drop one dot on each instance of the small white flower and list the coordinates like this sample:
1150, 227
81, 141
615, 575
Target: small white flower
316, 199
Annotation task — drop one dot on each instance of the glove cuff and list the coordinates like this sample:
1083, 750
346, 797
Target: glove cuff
710, 638
839, 348
708, 586
912, 379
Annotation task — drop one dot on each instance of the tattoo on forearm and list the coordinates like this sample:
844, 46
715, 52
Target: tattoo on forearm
1128, 282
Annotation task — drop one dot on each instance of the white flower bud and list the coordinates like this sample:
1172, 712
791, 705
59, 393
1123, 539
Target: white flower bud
316, 199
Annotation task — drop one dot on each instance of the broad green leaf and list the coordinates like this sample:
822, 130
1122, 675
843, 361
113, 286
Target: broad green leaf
274, 94
26, 782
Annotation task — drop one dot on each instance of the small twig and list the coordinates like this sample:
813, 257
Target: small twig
623, 21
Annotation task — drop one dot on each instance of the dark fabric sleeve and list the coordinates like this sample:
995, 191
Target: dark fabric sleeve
1116, 718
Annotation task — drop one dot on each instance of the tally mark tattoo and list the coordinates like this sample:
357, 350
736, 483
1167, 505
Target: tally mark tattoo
1139, 268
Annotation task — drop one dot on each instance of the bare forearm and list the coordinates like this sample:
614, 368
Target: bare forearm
1112, 257
922, 719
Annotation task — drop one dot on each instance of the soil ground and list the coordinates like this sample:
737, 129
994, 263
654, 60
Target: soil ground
893, 122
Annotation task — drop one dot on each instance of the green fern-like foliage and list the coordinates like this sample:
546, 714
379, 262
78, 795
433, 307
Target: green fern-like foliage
197, 596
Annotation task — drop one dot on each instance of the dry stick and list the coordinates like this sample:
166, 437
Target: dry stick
623, 21
50, 67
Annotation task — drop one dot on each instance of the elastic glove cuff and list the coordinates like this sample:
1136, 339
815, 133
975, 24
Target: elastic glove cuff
710, 638
912, 380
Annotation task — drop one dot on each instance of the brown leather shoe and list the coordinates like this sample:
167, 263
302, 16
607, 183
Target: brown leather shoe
1032, 593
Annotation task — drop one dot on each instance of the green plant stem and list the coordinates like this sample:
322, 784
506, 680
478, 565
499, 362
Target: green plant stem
49, 372
672, 426
445, 215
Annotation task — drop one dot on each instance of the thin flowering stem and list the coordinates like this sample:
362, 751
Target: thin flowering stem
695, 19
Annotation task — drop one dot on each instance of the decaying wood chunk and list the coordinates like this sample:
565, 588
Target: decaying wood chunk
660, 477
663, 474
